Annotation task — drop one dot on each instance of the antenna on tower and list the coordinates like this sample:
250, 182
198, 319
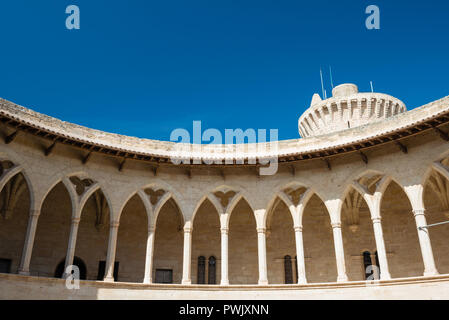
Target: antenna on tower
372, 88
330, 72
322, 84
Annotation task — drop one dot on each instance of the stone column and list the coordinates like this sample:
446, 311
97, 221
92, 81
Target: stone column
72, 244
262, 253
148, 278
112, 246
187, 257
339, 253
415, 195
24, 267
380, 246
224, 257
425, 244
300, 256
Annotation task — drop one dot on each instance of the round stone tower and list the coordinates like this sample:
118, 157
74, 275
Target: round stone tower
347, 108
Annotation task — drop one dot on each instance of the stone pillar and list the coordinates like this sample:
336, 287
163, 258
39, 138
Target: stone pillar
415, 195
72, 244
24, 267
224, 257
339, 253
380, 246
187, 257
262, 253
148, 278
112, 246
430, 268
300, 256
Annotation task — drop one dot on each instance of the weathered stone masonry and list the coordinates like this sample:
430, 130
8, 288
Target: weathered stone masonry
69, 192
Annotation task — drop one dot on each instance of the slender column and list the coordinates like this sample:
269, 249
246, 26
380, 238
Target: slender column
300, 256
72, 243
262, 253
112, 246
224, 257
339, 253
415, 195
29, 242
380, 246
425, 244
148, 278
187, 259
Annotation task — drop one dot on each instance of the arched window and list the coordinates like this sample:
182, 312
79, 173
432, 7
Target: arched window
201, 270
76, 262
367, 264
288, 269
212, 270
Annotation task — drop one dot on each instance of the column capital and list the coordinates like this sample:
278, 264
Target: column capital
76, 220
336, 225
114, 224
419, 212
151, 228
297, 228
262, 230
35, 212
188, 229
224, 230
376, 219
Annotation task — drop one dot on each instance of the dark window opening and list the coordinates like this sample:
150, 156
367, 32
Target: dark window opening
288, 270
5, 265
212, 270
377, 263
367, 263
296, 267
76, 262
102, 269
201, 275
164, 276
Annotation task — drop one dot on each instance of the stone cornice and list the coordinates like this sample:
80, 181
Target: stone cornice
376, 133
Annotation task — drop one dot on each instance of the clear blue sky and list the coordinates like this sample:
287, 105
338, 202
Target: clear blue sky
144, 68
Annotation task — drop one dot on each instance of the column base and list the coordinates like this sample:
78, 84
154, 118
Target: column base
23, 272
224, 283
302, 281
108, 279
187, 282
342, 278
431, 273
384, 276
147, 281
263, 282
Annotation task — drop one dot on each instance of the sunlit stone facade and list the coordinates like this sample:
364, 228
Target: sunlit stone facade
344, 198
